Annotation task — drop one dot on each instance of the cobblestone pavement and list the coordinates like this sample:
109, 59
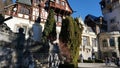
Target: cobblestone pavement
96, 65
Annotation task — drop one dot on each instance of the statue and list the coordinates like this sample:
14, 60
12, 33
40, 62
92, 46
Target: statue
53, 58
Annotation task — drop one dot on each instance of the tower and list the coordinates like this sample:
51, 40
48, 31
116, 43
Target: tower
109, 41
111, 13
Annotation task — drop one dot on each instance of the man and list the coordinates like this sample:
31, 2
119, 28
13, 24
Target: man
37, 31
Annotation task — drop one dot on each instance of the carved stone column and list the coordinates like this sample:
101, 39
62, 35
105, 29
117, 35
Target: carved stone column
116, 46
108, 42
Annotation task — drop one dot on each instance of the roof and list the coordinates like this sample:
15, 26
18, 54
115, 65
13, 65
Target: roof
27, 2
69, 6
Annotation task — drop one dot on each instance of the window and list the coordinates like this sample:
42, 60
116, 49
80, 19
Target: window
63, 3
114, 28
104, 42
24, 10
35, 13
94, 42
112, 42
112, 20
110, 9
59, 19
85, 41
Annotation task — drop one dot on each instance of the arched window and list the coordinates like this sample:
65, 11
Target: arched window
112, 41
104, 43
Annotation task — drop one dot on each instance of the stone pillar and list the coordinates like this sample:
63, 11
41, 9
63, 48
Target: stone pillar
116, 46
108, 43
108, 51
58, 29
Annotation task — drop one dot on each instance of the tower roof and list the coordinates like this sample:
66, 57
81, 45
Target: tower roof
27, 2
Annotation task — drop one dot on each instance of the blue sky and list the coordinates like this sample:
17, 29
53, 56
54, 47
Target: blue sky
85, 7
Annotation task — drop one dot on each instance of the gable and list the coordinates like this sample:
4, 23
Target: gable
68, 7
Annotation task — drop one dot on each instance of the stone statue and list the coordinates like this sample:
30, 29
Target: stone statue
53, 55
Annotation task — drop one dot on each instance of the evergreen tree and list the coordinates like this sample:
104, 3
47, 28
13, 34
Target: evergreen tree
76, 41
49, 32
71, 34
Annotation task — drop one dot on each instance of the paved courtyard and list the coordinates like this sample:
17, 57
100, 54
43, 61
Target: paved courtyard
96, 65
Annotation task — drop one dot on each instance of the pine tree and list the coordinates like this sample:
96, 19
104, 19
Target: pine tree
49, 32
76, 41
71, 34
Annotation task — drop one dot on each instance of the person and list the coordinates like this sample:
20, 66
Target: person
108, 61
37, 31
81, 58
20, 47
118, 62
93, 57
53, 55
